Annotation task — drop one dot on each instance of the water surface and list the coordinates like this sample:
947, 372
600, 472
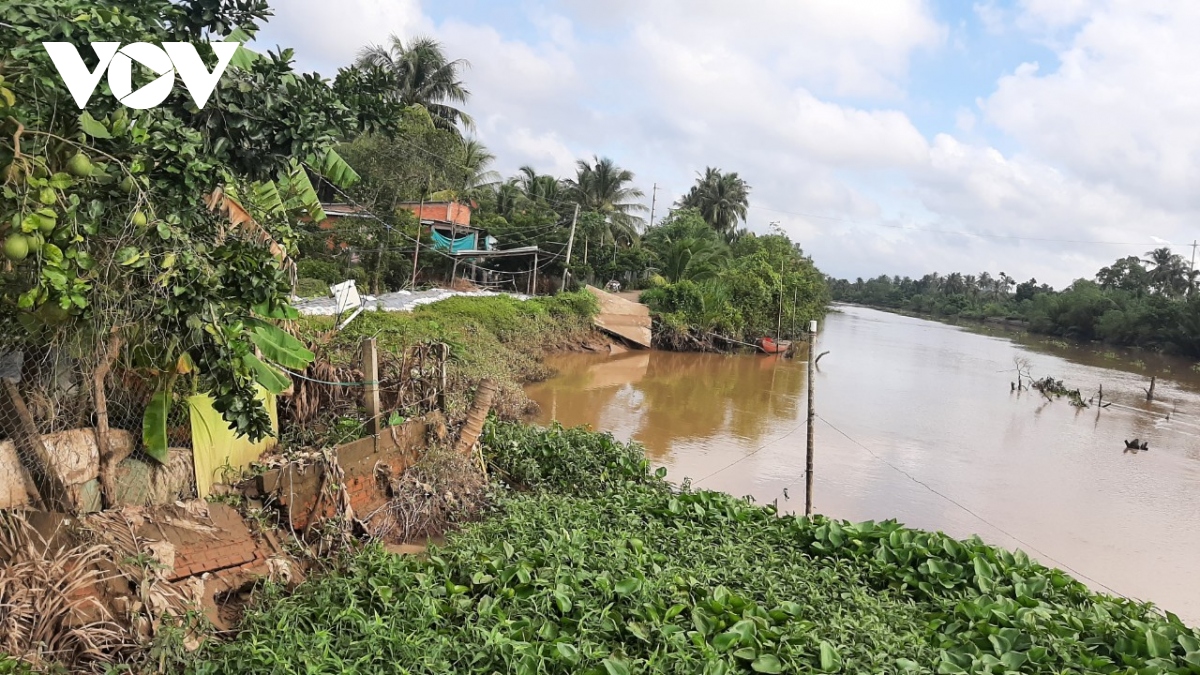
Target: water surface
919, 423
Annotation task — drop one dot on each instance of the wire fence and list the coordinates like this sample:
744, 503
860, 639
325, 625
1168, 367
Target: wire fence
73, 419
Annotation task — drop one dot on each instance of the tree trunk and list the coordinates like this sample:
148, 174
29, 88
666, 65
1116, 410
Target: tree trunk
108, 459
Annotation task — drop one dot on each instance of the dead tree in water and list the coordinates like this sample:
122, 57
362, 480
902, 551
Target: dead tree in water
1150, 391
1022, 365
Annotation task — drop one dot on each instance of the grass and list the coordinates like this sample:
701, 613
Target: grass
610, 571
498, 337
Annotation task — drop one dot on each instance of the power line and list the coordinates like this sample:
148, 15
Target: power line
973, 513
962, 233
748, 456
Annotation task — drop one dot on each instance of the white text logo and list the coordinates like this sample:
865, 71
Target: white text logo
164, 61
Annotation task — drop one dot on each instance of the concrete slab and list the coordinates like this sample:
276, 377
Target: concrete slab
623, 318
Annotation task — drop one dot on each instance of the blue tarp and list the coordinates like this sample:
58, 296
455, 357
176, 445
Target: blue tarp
464, 243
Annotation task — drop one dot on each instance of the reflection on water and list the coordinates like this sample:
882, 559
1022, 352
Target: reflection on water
934, 401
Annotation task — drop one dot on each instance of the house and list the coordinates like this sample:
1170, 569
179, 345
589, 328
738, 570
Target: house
337, 212
450, 227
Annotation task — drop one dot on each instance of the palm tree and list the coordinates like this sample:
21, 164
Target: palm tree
603, 187
422, 75
509, 198
475, 160
693, 259
721, 198
1169, 273
543, 187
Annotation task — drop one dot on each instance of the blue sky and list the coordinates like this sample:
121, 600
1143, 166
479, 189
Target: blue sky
871, 131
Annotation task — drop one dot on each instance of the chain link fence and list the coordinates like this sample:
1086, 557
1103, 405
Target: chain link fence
52, 420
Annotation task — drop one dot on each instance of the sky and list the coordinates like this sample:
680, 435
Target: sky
1040, 138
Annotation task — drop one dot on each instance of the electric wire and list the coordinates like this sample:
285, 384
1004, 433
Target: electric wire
966, 509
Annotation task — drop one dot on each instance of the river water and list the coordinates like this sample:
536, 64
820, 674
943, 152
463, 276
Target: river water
918, 422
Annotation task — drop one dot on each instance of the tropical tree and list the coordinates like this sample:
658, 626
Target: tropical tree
542, 187
603, 187
421, 74
476, 160
158, 246
1169, 272
721, 198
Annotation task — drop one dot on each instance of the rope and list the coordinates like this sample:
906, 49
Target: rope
748, 456
976, 515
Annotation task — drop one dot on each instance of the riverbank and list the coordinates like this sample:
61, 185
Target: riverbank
500, 337
616, 571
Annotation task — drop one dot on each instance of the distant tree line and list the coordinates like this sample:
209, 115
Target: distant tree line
1149, 302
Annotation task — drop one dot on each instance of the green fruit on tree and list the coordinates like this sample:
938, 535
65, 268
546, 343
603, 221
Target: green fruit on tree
35, 242
139, 219
46, 227
79, 166
127, 185
16, 247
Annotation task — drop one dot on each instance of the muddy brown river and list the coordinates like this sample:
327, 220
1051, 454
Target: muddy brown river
918, 423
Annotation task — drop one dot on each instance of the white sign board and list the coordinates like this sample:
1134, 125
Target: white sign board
346, 297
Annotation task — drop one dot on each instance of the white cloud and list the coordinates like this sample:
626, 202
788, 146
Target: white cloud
806, 101
328, 35
1121, 107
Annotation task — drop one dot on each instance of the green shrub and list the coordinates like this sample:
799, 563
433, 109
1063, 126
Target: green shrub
311, 288
328, 271
566, 461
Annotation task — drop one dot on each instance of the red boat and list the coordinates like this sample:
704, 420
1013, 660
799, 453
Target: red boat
773, 346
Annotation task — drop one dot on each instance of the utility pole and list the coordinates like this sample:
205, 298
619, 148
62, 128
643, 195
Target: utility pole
812, 413
1192, 276
570, 247
453, 254
417, 241
653, 203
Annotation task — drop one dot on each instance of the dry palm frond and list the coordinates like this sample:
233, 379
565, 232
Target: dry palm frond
221, 202
50, 611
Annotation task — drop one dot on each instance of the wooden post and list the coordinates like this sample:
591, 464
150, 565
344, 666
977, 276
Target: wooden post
454, 256
812, 413
570, 247
484, 396
441, 396
795, 300
417, 241
370, 366
16, 421
533, 276
1150, 391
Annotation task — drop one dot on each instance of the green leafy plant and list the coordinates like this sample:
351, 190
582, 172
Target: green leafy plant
626, 575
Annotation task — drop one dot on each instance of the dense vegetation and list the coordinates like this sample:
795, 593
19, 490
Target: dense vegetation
1149, 303
159, 243
754, 286
612, 572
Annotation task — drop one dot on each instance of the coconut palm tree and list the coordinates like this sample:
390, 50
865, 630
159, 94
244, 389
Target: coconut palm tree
603, 187
509, 198
1168, 272
543, 187
475, 160
721, 198
422, 75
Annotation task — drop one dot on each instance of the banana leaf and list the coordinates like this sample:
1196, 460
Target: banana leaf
277, 346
